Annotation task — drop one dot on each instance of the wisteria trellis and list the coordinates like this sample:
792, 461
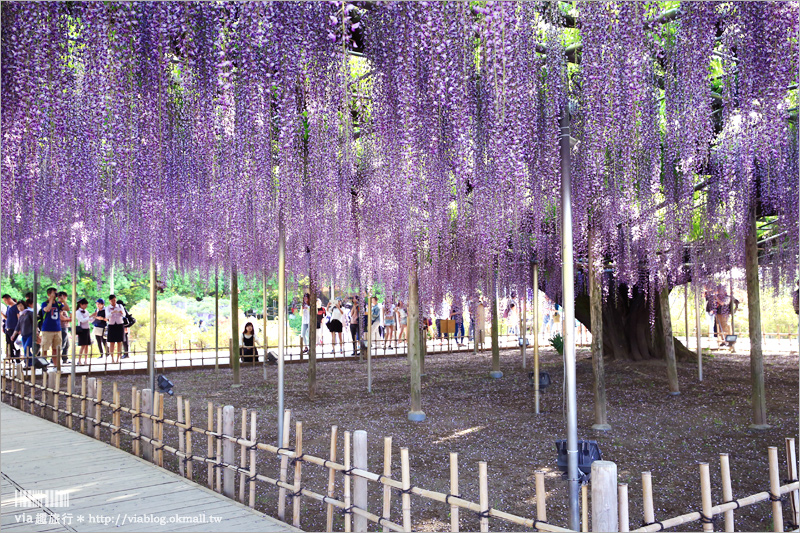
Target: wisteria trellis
191, 130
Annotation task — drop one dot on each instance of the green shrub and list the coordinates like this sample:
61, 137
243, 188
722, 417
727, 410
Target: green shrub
557, 341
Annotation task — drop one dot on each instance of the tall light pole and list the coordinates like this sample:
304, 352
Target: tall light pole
568, 292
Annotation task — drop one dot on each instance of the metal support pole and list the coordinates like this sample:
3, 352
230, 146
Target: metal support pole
369, 342
216, 320
536, 334
568, 292
281, 320
151, 351
34, 349
524, 303
264, 332
698, 332
686, 312
74, 308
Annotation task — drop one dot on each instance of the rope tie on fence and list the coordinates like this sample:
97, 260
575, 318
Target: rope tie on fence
774, 498
660, 525
296, 459
348, 471
409, 490
536, 523
278, 451
447, 498
253, 447
705, 519
733, 501
788, 481
116, 410
250, 479
296, 494
485, 514
347, 510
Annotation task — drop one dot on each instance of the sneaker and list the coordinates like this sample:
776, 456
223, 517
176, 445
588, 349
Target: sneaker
64, 359
124, 356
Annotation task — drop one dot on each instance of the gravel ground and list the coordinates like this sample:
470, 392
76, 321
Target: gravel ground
493, 420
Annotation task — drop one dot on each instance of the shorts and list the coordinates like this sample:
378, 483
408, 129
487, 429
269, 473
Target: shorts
51, 339
404, 321
84, 339
335, 326
116, 333
388, 323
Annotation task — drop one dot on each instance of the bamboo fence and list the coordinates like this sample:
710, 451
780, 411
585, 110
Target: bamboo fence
44, 396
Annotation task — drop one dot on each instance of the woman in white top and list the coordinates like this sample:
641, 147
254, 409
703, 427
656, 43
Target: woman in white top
83, 321
402, 322
115, 315
335, 325
306, 314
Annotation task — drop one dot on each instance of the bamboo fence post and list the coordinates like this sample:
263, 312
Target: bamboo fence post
483, 486
218, 467
287, 416
189, 462
45, 400
791, 468
20, 389
210, 448
228, 451
605, 507
360, 483
647, 498
348, 512
541, 497
584, 508
97, 409
69, 401
84, 390
243, 458
406, 479
705, 494
775, 489
454, 522
147, 424
137, 421
252, 478
116, 417
298, 472
331, 478
727, 490
160, 429
622, 499
33, 389
90, 408
56, 396
181, 438
387, 473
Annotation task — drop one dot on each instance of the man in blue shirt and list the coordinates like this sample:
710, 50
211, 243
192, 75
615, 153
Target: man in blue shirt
10, 324
51, 327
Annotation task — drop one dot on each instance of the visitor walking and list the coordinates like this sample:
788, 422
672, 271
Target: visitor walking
355, 312
10, 324
457, 315
320, 318
389, 320
402, 323
24, 329
725, 306
65, 321
305, 314
51, 327
513, 319
128, 321
115, 314
99, 323
335, 325
83, 331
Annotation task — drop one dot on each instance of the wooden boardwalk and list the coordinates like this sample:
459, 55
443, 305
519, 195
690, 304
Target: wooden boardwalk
108, 489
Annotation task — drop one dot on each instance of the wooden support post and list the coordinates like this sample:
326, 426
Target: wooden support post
705, 494
584, 508
360, 483
287, 416
253, 438
454, 521
669, 343
495, 372
97, 409
210, 448
698, 332
405, 474
347, 479
483, 486
228, 452
387, 473
605, 507
624, 516
84, 391
160, 427
541, 497
69, 400
90, 408
331, 473
647, 498
181, 438
775, 489
56, 386
727, 490
136, 400
33, 390
758, 398
535, 334
298, 473
243, 457
219, 432
116, 417
147, 423
791, 467
189, 463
